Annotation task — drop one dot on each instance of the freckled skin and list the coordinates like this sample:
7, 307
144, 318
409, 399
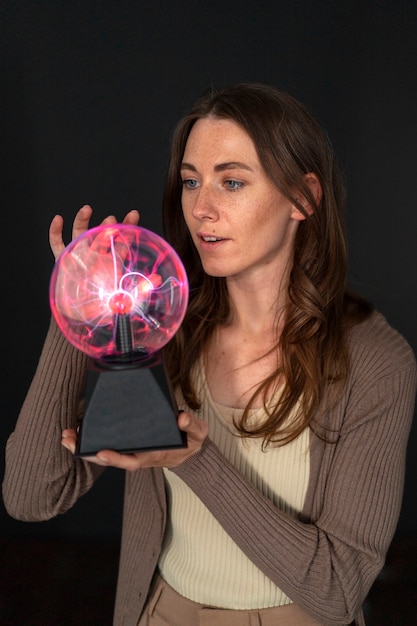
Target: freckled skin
227, 194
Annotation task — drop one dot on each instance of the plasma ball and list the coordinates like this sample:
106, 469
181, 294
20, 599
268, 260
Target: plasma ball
117, 276
120, 303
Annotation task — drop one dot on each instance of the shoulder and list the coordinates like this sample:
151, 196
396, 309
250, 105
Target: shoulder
374, 345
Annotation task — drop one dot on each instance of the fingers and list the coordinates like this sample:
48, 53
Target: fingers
132, 218
82, 220
110, 219
69, 440
55, 236
196, 430
80, 225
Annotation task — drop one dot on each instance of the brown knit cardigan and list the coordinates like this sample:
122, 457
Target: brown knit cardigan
325, 561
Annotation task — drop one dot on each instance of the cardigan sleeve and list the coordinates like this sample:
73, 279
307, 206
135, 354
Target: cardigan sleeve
42, 479
327, 561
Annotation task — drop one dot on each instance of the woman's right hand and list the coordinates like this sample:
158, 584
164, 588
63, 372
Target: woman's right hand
80, 225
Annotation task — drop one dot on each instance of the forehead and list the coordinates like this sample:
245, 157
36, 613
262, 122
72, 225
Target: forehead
211, 136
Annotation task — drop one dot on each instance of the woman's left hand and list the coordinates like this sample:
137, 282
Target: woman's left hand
195, 429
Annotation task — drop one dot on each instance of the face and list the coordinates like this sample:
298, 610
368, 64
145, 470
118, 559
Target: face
240, 223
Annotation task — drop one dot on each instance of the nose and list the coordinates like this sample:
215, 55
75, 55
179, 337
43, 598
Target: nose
204, 207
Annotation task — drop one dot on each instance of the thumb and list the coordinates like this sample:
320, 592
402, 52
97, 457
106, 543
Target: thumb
195, 428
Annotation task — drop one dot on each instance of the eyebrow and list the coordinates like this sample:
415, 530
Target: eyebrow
220, 167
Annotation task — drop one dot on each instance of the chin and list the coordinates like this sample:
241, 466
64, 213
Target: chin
214, 272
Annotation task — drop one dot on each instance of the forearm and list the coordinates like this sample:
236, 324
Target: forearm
42, 478
328, 564
281, 546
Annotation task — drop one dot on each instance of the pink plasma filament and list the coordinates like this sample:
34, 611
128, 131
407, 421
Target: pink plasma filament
118, 271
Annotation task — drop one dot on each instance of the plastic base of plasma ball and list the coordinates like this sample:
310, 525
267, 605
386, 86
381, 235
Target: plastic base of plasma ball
129, 410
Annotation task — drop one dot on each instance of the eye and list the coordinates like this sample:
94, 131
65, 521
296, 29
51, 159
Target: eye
189, 183
233, 185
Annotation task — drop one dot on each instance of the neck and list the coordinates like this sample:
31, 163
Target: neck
257, 309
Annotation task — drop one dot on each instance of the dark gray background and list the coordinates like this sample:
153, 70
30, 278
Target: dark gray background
90, 92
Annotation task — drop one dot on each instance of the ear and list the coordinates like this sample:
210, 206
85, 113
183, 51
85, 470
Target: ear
315, 188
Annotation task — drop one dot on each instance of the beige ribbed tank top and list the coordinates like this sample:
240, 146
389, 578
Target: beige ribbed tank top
199, 559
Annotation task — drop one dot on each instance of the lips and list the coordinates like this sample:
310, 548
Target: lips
209, 237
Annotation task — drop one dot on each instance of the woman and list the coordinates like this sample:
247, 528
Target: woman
297, 398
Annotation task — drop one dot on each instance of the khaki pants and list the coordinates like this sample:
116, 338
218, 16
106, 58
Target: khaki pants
167, 608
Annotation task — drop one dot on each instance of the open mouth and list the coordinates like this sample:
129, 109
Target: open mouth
211, 239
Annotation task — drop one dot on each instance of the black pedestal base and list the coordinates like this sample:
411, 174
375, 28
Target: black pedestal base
129, 410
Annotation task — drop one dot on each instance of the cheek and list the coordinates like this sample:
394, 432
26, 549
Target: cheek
275, 210
263, 215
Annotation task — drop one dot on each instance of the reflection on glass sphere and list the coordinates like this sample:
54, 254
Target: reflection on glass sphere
118, 293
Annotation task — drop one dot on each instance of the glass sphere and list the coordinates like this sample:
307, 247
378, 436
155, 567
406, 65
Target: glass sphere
119, 293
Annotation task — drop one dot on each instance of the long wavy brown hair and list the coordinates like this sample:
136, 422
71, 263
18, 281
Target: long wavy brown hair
314, 356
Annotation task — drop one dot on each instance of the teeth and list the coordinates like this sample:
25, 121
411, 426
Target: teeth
211, 238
